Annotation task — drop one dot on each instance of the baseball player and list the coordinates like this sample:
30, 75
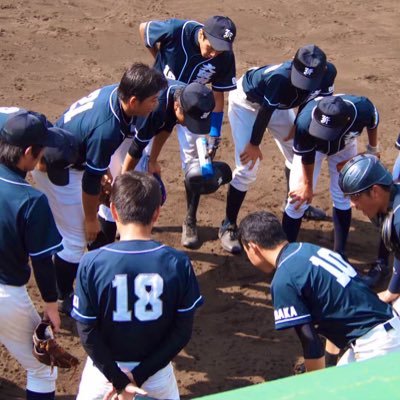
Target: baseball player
192, 52
28, 232
371, 190
134, 302
265, 98
100, 122
189, 105
316, 292
327, 128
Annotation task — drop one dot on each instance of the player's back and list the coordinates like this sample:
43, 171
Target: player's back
136, 288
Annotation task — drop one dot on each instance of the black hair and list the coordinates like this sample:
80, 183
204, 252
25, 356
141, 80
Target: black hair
262, 228
178, 93
11, 154
136, 196
141, 81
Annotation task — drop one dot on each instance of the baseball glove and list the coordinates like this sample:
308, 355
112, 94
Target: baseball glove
47, 351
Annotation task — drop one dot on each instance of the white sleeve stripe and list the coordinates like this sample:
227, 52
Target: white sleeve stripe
193, 305
147, 34
224, 87
271, 104
45, 251
81, 315
96, 169
292, 319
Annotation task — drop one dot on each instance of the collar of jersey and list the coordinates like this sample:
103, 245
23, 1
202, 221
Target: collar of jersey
280, 255
116, 108
13, 175
140, 246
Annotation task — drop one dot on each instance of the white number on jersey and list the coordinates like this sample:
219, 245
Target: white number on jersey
84, 104
335, 265
148, 288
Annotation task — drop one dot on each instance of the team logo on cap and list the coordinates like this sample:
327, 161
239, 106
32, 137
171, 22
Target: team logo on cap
205, 115
308, 71
325, 119
228, 34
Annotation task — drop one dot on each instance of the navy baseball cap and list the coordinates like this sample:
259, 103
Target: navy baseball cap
197, 102
58, 160
221, 32
330, 118
308, 67
25, 128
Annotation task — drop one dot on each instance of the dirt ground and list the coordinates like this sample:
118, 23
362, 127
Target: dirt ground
54, 52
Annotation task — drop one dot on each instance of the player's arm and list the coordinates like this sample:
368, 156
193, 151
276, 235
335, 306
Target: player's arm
304, 192
373, 145
154, 49
158, 143
313, 349
392, 293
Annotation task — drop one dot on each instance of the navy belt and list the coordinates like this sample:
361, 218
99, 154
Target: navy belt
388, 326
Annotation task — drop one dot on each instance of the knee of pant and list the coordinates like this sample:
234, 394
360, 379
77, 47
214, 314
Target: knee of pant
71, 252
243, 177
341, 202
41, 379
293, 213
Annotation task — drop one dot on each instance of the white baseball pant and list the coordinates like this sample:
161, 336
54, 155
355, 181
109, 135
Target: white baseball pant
377, 342
296, 177
242, 114
19, 318
94, 385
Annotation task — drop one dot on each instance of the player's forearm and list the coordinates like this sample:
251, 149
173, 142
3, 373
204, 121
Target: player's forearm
313, 364
373, 139
260, 125
129, 163
158, 143
90, 205
219, 98
45, 277
177, 339
308, 172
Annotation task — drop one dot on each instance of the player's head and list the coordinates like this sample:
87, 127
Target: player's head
139, 89
308, 67
260, 232
136, 197
330, 118
23, 138
216, 36
367, 182
193, 106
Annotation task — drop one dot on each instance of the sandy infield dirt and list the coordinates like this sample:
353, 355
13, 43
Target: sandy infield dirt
54, 52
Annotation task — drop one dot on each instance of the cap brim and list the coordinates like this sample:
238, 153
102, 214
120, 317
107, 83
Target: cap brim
58, 176
219, 44
55, 137
304, 83
198, 125
323, 132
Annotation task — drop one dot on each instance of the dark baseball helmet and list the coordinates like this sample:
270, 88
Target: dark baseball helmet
361, 172
197, 183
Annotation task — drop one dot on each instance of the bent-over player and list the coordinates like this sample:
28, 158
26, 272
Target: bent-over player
100, 122
316, 292
264, 99
135, 300
28, 231
189, 51
327, 128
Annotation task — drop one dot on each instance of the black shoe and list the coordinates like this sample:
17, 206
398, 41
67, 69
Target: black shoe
376, 274
314, 213
189, 239
65, 304
228, 236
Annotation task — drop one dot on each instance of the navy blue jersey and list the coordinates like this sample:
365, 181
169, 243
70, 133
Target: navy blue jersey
271, 86
98, 123
315, 285
163, 118
5, 113
364, 115
27, 227
133, 291
179, 56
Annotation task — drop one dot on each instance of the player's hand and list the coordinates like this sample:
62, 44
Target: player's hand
251, 154
388, 296
126, 394
153, 167
106, 182
303, 194
51, 314
92, 228
213, 145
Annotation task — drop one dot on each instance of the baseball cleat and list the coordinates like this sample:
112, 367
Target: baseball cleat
190, 238
65, 304
376, 274
314, 213
228, 236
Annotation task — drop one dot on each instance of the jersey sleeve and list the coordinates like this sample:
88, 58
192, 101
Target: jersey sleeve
271, 87
225, 80
160, 31
370, 113
289, 307
84, 307
42, 238
303, 143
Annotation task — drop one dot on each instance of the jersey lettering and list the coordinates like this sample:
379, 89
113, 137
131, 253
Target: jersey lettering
148, 288
168, 73
284, 313
84, 104
335, 265
205, 74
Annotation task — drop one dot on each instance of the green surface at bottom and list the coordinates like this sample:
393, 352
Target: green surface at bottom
375, 379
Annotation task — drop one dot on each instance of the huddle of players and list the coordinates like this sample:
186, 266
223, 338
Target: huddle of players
141, 289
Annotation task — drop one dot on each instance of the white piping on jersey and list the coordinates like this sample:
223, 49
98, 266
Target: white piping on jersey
272, 104
14, 183
292, 319
290, 255
147, 33
96, 169
133, 251
223, 87
45, 251
83, 316
190, 308
115, 114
